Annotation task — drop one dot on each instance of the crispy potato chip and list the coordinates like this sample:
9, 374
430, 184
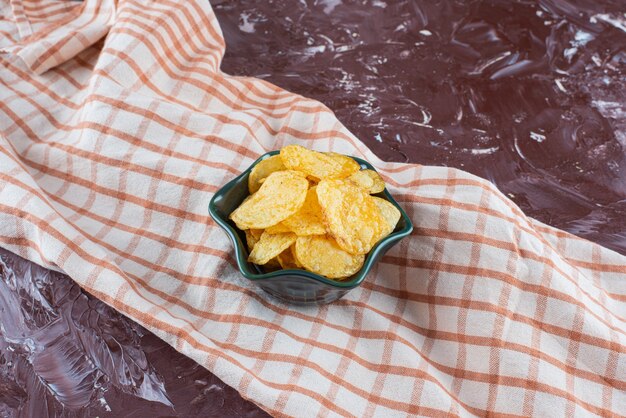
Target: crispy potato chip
389, 212
361, 179
287, 259
263, 169
368, 180
293, 254
252, 237
351, 215
349, 165
317, 164
308, 220
269, 246
281, 195
321, 254
313, 210
272, 265
279, 228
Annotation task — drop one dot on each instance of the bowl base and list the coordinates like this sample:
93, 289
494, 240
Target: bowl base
302, 299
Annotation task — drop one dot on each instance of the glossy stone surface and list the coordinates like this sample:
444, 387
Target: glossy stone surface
65, 353
529, 94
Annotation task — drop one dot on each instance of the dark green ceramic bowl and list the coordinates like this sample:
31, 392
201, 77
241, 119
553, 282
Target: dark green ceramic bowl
295, 286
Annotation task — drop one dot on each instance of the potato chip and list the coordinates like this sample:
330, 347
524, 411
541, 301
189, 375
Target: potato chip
263, 169
369, 180
308, 220
281, 195
321, 254
269, 246
252, 237
389, 212
349, 164
361, 179
313, 210
317, 164
293, 254
287, 259
272, 265
351, 215
279, 228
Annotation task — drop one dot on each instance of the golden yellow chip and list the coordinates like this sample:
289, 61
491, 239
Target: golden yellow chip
315, 164
269, 246
368, 180
321, 254
361, 179
293, 254
280, 196
389, 212
263, 169
287, 259
279, 228
308, 220
252, 237
351, 215
313, 210
349, 165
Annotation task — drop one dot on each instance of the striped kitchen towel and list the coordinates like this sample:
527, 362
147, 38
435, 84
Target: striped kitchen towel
116, 128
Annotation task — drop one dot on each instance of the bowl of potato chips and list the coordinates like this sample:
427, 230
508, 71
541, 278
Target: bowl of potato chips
308, 226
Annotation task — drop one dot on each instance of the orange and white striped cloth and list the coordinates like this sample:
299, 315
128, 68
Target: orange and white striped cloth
109, 159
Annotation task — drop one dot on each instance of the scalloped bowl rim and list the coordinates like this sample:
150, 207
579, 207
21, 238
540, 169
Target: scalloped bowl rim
352, 282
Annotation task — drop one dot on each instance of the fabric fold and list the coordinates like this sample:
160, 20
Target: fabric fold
62, 40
